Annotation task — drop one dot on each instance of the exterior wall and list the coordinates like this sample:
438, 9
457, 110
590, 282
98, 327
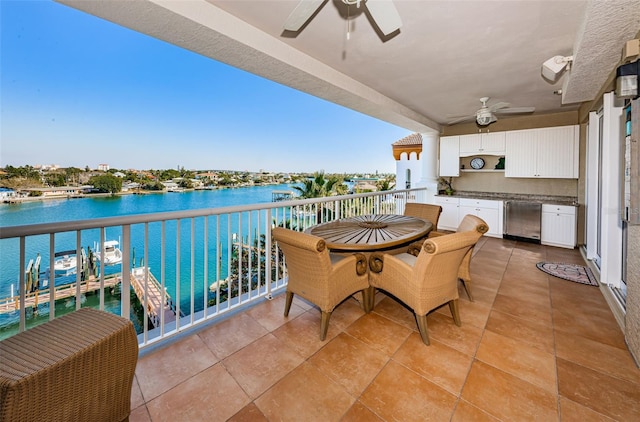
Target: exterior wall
411, 162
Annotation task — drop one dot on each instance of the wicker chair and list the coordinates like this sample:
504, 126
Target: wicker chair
427, 281
322, 278
78, 367
469, 222
428, 212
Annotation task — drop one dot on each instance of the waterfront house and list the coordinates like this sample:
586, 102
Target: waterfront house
522, 353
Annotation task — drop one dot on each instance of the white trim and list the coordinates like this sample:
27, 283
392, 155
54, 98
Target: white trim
591, 199
611, 268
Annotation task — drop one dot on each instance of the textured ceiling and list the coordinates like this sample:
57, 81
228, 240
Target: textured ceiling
446, 56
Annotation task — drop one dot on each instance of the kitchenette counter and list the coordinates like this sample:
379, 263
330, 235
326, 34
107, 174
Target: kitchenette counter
497, 196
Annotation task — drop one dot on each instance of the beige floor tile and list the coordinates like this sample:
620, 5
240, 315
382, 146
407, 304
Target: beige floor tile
613, 397
303, 333
136, 394
523, 308
466, 412
349, 362
232, 334
519, 359
535, 333
440, 364
601, 357
603, 330
571, 411
379, 332
480, 293
305, 395
346, 313
396, 312
211, 395
360, 413
474, 313
508, 397
249, 413
162, 370
139, 414
399, 394
442, 328
261, 364
270, 313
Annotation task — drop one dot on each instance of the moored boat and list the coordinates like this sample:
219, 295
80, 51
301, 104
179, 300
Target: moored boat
67, 263
112, 254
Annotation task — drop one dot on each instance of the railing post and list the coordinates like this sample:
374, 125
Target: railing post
126, 272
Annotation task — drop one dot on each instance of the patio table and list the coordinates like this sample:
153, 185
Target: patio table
368, 233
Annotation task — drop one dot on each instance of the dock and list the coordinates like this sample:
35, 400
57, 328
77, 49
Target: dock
158, 301
40, 297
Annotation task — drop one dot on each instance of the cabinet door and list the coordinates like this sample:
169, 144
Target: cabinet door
450, 156
558, 229
557, 152
470, 145
449, 216
520, 155
491, 216
493, 143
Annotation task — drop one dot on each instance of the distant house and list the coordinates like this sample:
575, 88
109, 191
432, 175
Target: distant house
119, 174
6, 193
103, 167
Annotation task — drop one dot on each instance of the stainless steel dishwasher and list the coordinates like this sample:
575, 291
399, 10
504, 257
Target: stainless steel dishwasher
522, 220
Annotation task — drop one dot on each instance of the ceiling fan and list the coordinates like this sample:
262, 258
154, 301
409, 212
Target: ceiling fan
383, 12
487, 114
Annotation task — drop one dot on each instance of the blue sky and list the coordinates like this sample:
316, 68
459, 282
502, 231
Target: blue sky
80, 91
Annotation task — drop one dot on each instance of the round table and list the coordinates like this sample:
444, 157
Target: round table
367, 233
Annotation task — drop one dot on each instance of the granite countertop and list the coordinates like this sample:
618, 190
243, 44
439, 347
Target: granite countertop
543, 199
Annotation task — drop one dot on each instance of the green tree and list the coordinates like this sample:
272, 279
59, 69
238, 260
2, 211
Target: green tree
106, 183
386, 183
318, 186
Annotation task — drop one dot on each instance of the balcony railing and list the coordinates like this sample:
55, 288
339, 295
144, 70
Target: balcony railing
177, 269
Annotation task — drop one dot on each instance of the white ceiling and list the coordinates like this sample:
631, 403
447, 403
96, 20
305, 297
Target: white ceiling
445, 57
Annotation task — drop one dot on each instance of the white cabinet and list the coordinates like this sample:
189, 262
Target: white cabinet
449, 156
558, 226
449, 216
492, 143
545, 153
489, 210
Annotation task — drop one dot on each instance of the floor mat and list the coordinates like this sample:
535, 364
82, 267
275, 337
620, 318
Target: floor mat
571, 272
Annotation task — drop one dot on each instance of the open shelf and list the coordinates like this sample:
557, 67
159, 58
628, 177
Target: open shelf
481, 171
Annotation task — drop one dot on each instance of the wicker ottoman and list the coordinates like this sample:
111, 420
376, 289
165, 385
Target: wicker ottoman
78, 367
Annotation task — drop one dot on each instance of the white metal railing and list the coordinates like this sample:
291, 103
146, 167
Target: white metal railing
195, 265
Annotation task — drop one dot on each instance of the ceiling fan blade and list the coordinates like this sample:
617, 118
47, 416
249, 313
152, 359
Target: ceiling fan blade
516, 110
462, 119
385, 14
301, 14
498, 106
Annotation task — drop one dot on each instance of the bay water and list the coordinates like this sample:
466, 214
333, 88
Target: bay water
58, 210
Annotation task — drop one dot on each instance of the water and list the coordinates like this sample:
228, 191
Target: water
89, 208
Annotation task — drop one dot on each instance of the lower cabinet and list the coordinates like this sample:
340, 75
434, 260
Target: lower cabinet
558, 225
490, 211
449, 216
454, 210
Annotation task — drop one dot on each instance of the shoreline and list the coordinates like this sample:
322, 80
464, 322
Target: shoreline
18, 201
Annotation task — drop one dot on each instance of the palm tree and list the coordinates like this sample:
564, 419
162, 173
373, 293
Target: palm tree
319, 187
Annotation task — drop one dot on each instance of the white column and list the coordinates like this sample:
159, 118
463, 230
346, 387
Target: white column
429, 164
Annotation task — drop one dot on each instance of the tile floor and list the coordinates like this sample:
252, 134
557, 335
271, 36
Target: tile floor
531, 347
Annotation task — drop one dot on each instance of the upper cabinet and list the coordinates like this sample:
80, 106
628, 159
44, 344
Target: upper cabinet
450, 156
543, 153
482, 144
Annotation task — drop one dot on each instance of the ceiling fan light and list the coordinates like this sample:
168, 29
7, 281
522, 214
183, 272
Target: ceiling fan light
485, 118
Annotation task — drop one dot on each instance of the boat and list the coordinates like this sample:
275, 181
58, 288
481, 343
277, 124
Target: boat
112, 254
66, 263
